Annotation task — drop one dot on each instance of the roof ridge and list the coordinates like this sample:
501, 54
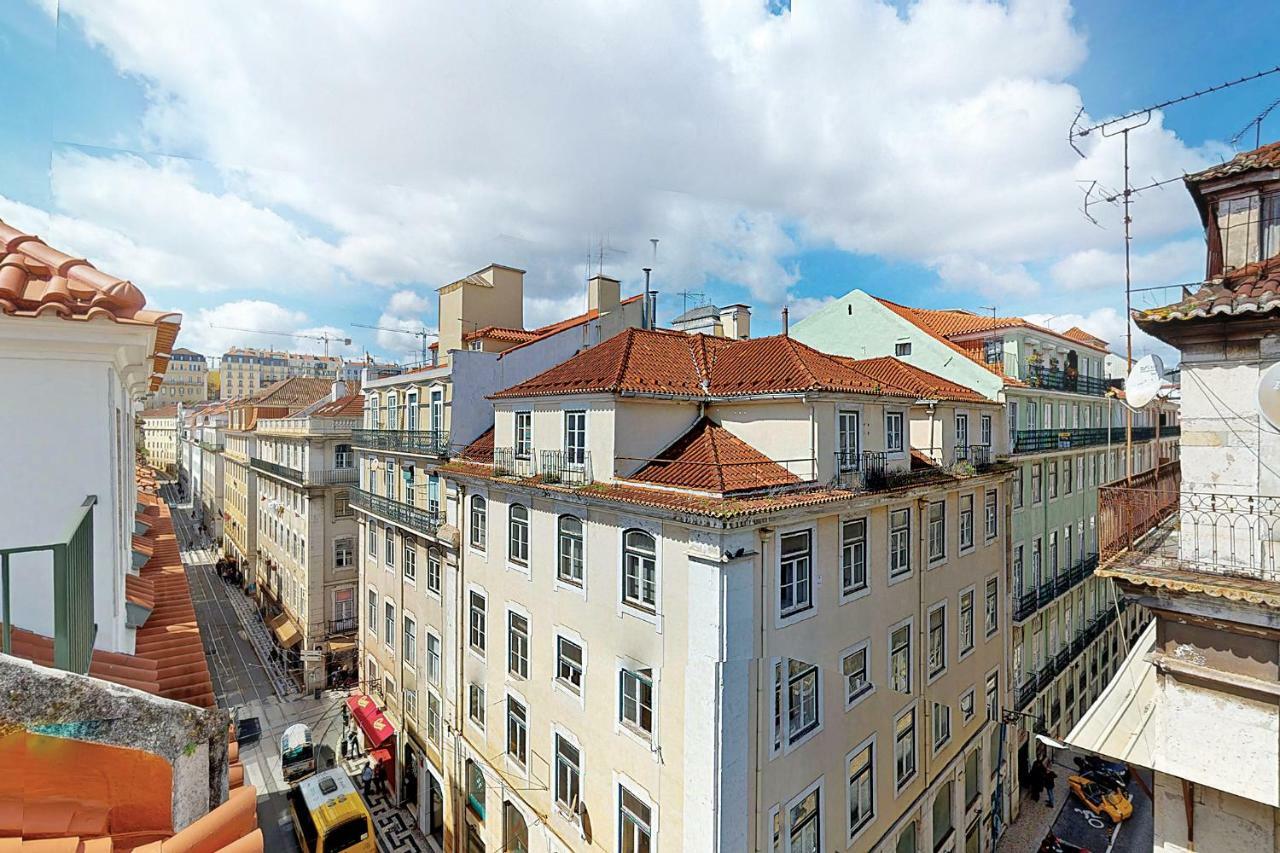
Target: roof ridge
712, 437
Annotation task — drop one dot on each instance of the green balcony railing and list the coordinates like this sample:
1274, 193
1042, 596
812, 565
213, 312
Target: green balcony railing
74, 628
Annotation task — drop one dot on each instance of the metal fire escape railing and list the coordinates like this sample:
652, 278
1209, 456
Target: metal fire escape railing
74, 628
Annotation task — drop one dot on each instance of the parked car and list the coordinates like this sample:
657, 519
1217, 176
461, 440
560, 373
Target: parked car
1099, 800
1054, 844
1109, 774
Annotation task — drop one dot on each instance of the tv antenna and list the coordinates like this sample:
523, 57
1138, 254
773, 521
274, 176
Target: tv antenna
1122, 126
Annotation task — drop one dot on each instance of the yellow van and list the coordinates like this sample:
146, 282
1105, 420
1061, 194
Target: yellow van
329, 816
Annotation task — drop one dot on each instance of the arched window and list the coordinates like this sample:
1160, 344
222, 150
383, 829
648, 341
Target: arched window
518, 534
475, 789
639, 570
569, 552
479, 522
371, 411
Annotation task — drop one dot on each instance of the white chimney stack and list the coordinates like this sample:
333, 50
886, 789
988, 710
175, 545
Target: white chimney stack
735, 321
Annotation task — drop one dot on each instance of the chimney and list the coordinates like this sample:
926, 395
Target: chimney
785, 311
604, 294
735, 321
338, 389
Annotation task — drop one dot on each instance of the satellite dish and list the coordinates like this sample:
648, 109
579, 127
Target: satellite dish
1144, 381
1269, 395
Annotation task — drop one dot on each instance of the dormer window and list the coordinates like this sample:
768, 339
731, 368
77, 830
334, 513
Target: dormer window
1249, 228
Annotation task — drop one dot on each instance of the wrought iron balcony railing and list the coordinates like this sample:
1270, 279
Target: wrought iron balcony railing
415, 518
420, 442
1026, 604
977, 455
508, 463
322, 477
73, 627
1054, 379
1025, 692
1040, 440
567, 467
340, 626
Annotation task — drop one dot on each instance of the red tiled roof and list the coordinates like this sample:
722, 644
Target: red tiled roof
170, 411
480, 450
344, 407
1078, 334
922, 383
700, 366
499, 333
136, 671
1266, 157
710, 458
950, 322
1250, 290
141, 591
39, 281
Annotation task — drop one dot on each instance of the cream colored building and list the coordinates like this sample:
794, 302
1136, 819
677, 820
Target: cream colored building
186, 380
245, 370
160, 435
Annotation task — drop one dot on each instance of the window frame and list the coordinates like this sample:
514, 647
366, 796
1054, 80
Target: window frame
868, 771
937, 533
991, 514
626, 675
899, 548
900, 780
517, 644
518, 534
941, 734
647, 561
963, 650
967, 521
852, 697
933, 673
907, 624
565, 665
563, 555
478, 527
477, 622
523, 434
853, 552
890, 432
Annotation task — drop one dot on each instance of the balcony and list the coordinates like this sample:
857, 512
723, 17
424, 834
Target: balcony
322, 477
1041, 440
306, 426
567, 467
73, 625
1054, 379
1025, 692
854, 470
977, 455
508, 463
340, 626
419, 442
1026, 604
415, 518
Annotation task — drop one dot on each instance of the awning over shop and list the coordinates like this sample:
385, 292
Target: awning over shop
337, 647
288, 634
376, 727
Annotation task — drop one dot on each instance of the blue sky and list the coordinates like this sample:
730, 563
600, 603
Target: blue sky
299, 172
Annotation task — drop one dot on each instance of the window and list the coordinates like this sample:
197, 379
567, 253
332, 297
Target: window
1053, 554
902, 349
569, 664
853, 555
900, 658
475, 704
475, 788
962, 431
389, 549
966, 705
984, 425
639, 570
992, 617
937, 640
893, 433
518, 522
479, 522
343, 553
517, 644
476, 627
1053, 479
433, 494
941, 725
433, 572
569, 559
575, 438
795, 594
635, 830
517, 731
568, 774
1037, 483
410, 649
966, 522
861, 766
433, 658
802, 699
966, 622
371, 536
343, 457
993, 696
344, 605
937, 531
1016, 486
410, 559
390, 636
636, 690
848, 440
389, 478
342, 504
972, 776
524, 435
857, 677
904, 748
372, 621
899, 542
942, 816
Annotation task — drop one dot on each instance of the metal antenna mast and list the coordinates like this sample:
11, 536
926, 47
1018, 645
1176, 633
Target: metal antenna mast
1122, 126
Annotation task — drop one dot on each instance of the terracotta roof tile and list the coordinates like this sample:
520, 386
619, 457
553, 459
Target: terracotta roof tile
170, 411
710, 458
700, 367
499, 333
141, 591
37, 280
134, 671
1266, 157
918, 382
298, 391
480, 450
1250, 290
1078, 334
344, 407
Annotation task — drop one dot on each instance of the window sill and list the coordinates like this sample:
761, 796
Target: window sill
794, 742
900, 577
796, 616
847, 596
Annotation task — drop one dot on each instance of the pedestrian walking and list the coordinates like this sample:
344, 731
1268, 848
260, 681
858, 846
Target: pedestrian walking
1049, 776
1035, 780
366, 780
380, 777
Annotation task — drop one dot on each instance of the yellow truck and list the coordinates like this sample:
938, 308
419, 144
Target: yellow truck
329, 816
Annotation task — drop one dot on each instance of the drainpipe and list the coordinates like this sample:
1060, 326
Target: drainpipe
922, 562
765, 669
460, 796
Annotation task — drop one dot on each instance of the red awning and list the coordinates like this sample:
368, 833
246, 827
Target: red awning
376, 727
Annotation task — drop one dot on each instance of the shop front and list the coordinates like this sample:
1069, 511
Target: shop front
378, 735
423, 789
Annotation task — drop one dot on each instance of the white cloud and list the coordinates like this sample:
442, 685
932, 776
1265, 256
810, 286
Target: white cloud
1176, 262
213, 331
1108, 324
409, 312
933, 134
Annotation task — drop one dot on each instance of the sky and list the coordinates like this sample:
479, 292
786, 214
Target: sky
318, 167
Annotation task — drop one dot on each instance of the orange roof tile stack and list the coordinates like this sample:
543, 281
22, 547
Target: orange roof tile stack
39, 281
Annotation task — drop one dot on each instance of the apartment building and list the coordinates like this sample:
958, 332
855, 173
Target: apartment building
245, 370
1065, 436
160, 435
186, 380
302, 466
1195, 544
409, 556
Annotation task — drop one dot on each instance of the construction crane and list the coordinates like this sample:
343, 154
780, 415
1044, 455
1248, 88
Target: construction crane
324, 337
422, 333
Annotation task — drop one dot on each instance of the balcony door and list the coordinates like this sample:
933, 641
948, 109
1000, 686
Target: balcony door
847, 440
437, 410
411, 411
